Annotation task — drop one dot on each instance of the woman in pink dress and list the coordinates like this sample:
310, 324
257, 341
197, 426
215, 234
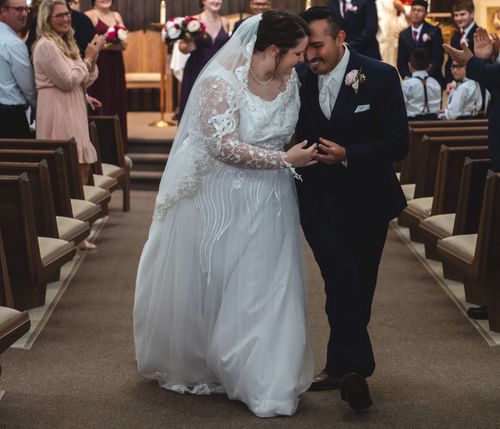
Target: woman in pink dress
61, 78
110, 87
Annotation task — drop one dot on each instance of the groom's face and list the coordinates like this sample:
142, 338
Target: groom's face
324, 51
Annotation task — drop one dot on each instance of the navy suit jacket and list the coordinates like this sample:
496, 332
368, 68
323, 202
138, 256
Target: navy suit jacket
361, 26
374, 138
455, 42
434, 47
488, 75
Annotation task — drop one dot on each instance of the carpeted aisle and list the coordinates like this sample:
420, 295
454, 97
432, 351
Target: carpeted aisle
434, 369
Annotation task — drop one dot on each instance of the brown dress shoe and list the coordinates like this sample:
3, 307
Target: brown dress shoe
324, 381
354, 390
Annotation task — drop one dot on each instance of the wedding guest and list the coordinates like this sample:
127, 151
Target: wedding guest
465, 98
110, 87
61, 77
256, 7
360, 20
422, 93
203, 46
463, 15
420, 34
17, 86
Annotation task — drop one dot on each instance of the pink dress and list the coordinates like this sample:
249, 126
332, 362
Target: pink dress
61, 108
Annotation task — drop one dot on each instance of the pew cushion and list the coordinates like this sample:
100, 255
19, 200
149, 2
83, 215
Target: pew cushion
409, 191
111, 170
84, 209
95, 194
420, 207
52, 249
462, 247
13, 325
439, 225
104, 182
69, 227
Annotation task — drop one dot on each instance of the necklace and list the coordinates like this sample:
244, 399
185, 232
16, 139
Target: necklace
267, 82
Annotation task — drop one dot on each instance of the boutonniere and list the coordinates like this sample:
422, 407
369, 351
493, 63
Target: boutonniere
349, 7
426, 38
354, 78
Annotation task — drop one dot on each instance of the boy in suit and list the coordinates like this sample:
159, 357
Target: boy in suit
420, 34
422, 92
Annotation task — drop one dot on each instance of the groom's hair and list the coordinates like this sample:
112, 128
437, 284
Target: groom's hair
317, 13
420, 59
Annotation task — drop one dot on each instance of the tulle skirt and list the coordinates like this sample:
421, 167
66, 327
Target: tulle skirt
220, 299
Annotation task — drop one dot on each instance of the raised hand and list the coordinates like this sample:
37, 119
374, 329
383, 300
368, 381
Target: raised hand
300, 156
460, 56
483, 45
333, 152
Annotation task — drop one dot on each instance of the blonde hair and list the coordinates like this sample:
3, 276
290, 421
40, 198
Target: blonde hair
66, 43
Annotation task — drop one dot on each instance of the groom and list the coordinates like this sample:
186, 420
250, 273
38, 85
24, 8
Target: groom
353, 107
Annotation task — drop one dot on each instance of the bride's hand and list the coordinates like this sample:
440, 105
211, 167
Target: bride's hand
300, 156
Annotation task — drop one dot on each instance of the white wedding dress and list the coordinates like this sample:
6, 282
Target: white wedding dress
220, 298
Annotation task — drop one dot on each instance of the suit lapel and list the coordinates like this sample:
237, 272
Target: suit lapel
346, 93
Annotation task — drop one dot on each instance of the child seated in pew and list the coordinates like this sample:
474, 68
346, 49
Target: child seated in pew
421, 92
465, 99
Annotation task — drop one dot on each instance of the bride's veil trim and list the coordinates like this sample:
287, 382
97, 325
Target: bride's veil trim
190, 159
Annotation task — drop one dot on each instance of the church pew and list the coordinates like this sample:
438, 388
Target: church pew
477, 254
31, 260
48, 224
77, 189
114, 161
13, 323
66, 206
440, 222
420, 206
409, 165
439, 123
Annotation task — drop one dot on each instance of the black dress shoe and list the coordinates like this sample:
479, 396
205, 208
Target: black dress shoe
354, 390
324, 381
478, 313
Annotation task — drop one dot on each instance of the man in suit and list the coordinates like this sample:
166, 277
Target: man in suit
463, 15
256, 7
420, 34
353, 106
360, 21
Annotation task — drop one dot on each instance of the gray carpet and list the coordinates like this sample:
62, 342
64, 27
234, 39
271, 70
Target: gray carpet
434, 370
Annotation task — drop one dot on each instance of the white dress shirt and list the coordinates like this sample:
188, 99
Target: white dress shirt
17, 83
329, 84
418, 30
413, 92
464, 100
467, 31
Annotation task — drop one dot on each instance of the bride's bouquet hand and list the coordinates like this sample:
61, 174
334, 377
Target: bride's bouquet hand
301, 156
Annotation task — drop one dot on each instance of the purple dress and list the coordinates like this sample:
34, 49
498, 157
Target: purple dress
110, 87
206, 48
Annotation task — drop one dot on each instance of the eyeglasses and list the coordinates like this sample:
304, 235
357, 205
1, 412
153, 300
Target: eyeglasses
62, 15
19, 9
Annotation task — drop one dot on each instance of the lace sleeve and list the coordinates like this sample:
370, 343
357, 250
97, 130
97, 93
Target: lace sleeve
219, 119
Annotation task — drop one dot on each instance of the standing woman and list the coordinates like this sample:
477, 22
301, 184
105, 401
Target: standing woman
110, 87
202, 47
61, 77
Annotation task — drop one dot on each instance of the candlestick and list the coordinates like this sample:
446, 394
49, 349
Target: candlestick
163, 12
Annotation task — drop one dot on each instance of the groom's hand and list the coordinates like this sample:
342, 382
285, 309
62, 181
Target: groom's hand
333, 152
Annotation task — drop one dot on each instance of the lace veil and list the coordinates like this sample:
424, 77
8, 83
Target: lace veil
209, 116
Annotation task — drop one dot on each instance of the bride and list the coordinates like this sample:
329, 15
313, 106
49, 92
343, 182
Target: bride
220, 298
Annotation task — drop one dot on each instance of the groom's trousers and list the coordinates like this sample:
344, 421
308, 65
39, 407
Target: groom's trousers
347, 248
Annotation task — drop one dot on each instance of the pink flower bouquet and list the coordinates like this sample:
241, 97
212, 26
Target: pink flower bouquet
116, 34
182, 27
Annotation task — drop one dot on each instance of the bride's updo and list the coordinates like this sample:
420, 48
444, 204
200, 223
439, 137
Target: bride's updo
280, 28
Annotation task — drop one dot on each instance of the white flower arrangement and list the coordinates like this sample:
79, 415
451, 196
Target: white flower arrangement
180, 27
116, 34
350, 7
426, 38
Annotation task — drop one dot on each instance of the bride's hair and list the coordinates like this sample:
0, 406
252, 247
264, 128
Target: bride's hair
282, 29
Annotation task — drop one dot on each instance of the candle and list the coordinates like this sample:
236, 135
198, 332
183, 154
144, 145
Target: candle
163, 12
308, 4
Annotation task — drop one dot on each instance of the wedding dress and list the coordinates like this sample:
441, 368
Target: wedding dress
220, 297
